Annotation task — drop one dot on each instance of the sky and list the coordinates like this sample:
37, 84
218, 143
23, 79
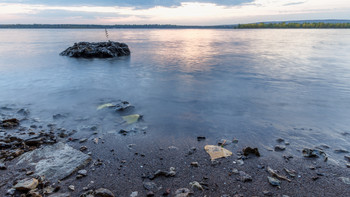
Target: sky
177, 12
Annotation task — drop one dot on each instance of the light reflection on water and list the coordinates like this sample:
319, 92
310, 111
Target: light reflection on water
256, 85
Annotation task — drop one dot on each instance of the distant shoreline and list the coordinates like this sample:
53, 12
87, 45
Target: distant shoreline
266, 25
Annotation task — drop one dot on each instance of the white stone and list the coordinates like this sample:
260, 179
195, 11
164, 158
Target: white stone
55, 162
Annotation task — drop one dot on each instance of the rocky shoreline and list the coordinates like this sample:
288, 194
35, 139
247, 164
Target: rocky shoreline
43, 159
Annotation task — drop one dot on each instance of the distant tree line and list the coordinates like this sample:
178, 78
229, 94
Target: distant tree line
83, 26
294, 25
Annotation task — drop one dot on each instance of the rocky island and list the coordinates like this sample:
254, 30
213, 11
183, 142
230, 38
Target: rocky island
97, 50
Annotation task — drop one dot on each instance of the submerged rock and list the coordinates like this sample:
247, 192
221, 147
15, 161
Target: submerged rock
9, 123
224, 142
97, 49
341, 151
280, 148
346, 157
314, 153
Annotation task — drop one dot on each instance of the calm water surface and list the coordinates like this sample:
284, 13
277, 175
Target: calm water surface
255, 85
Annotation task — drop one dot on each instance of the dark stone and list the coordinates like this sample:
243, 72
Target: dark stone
341, 151
249, 150
124, 106
280, 148
347, 158
34, 142
166, 192
200, 138
123, 131
150, 186
274, 181
60, 195
10, 123
97, 50
150, 194
182, 192
4, 145
314, 153
58, 116
315, 178
102, 192
159, 173
2, 166
244, 177
267, 193
24, 112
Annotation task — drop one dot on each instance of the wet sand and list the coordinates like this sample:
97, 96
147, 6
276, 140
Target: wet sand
122, 164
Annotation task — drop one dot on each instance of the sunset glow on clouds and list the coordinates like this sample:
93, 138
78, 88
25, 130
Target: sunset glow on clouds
187, 12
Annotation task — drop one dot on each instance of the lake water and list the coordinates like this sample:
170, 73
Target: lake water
254, 85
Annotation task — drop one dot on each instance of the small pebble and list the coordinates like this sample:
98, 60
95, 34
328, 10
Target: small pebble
200, 138
83, 148
134, 194
315, 178
267, 193
71, 187
194, 164
82, 172
2, 166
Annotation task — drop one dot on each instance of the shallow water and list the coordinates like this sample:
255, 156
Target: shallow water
255, 85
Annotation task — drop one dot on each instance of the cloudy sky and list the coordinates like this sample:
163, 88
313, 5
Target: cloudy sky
181, 12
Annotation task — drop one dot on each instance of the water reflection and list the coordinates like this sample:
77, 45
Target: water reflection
255, 85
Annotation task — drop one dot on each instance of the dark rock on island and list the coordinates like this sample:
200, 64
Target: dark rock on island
97, 50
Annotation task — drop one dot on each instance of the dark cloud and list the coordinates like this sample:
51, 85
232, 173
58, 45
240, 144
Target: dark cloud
133, 3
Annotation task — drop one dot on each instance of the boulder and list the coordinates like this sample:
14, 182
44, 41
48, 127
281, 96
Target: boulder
97, 50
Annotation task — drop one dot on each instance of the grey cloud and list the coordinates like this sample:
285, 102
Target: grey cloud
294, 3
65, 13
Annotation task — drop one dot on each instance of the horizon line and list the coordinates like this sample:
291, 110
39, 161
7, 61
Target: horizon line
172, 25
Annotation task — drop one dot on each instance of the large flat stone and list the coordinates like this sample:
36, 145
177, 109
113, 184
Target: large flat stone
55, 162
